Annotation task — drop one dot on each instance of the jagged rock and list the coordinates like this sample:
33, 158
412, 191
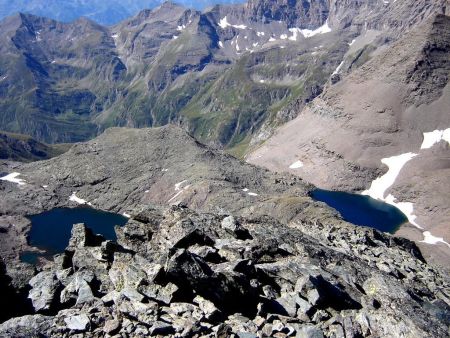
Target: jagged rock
111, 327
310, 332
161, 328
297, 287
77, 323
45, 291
78, 288
208, 308
132, 294
163, 294
81, 236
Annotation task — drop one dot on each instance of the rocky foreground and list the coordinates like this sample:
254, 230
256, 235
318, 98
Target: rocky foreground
177, 272
199, 255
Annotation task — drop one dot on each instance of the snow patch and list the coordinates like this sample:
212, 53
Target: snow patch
245, 190
272, 39
179, 187
407, 208
180, 28
381, 184
296, 165
223, 23
174, 37
76, 199
220, 44
255, 44
115, 36
179, 184
4, 78
307, 33
262, 81
260, 33
338, 68
283, 36
351, 43
13, 178
126, 215
436, 136
294, 32
430, 239
252, 194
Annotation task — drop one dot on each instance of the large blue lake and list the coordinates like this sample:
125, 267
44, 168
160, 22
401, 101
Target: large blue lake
362, 210
50, 230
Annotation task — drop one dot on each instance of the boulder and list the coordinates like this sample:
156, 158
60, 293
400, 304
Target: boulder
77, 323
45, 289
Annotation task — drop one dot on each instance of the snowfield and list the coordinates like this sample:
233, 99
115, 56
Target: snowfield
13, 178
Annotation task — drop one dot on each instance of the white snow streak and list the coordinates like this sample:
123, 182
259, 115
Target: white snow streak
307, 33
223, 23
126, 215
13, 178
430, 239
252, 194
431, 138
179, 187
294, 32
338, 68
179, 184
296, 165
220, 44
351, 43
76, 199
381, 184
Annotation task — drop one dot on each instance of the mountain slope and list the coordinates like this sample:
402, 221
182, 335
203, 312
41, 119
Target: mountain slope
380, 110
18, 147
165, 65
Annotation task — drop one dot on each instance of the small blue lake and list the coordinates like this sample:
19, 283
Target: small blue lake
50, 230
362, 210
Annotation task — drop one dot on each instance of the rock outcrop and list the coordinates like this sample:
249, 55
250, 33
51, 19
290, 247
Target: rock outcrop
175, 272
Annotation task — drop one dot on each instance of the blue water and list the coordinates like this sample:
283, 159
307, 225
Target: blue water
50, 230
362, 210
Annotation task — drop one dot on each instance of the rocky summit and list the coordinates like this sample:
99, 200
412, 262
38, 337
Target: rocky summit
202, 257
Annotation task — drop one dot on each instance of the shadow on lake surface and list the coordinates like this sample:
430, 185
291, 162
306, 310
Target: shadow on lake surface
362, 210
50, 230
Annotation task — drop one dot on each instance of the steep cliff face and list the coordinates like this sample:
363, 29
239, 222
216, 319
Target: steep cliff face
390, 15
297, 13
